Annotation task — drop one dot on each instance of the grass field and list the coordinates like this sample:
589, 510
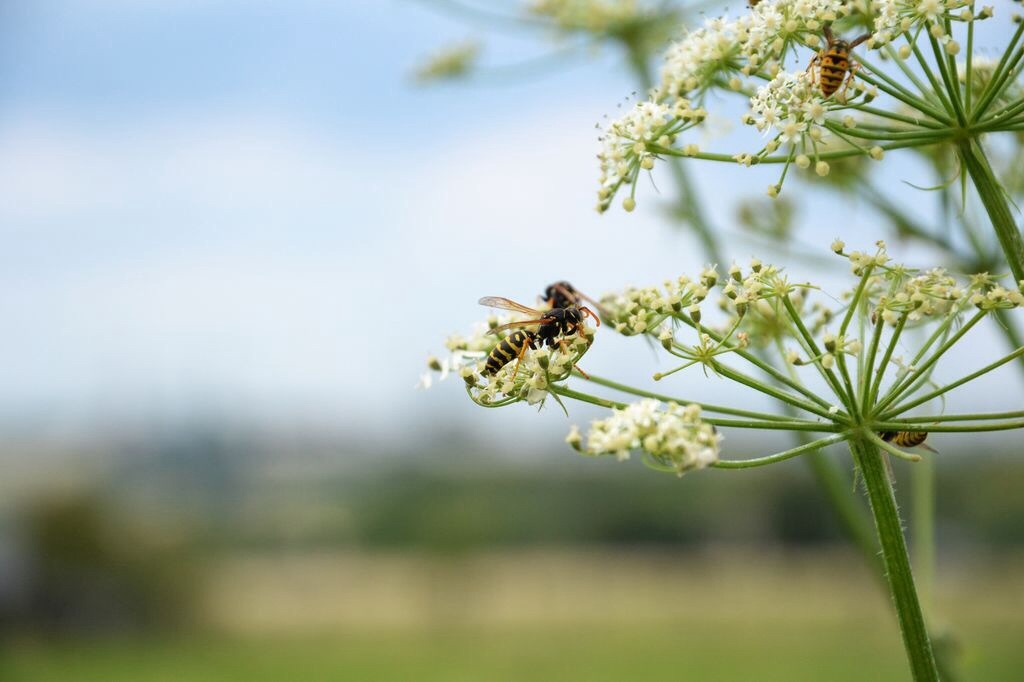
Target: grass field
548, 616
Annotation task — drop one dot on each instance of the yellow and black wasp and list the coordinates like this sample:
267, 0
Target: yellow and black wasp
904, 439
552, 327
833, 62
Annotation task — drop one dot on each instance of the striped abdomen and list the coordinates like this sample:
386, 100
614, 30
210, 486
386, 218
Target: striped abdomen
834, 65
904, 439
508, 350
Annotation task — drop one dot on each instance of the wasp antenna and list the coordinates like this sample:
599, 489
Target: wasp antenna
588, 311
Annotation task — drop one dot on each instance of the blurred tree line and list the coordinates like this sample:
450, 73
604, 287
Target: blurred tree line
123, 550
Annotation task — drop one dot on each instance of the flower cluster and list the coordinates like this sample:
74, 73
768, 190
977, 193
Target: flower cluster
695, 62
642, 310
630, 143
672, 436
592, 16
792, 104
748, 54
895, 17
451, 62
771, 29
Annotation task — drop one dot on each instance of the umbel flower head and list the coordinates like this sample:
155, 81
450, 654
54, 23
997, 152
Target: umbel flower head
671, 436
834, 364
774, 56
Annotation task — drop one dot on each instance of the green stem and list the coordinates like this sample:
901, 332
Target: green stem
707, 407
922, 530
1000, 77
896, 559
880, 372
904, 386
899, 409
806, 339
978, 416
780, 456
994, 199
746, 380
824, 156
765, 367
947, 428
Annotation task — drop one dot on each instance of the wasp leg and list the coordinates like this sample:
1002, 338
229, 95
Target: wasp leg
810, 65
563, 342
854, 67
519, 358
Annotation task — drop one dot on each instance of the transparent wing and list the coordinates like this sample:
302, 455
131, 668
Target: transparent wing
513, 325
506, 304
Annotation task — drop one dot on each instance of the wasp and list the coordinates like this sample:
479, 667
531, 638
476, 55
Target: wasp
552, 327
564, 295
833, 62
904, 439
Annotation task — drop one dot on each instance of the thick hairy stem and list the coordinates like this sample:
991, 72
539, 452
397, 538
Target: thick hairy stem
998, 208
896, 559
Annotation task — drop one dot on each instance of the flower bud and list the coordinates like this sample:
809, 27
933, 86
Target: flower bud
694, 311
838, 246
629, 204
876, 153
434, 364
574, 439
803, 161
821, 168
828, 361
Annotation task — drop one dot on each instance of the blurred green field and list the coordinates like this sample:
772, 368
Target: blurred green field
749, 651
549, 616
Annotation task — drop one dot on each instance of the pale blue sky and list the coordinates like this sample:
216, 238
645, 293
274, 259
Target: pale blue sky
247, 207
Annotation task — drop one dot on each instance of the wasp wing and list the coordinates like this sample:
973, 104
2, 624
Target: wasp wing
506, 304
513, 325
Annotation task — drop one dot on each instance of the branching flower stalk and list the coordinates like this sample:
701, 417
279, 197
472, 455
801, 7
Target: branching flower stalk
905, 90
838, 371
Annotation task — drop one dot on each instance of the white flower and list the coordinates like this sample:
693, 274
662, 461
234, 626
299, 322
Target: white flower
673, 436
692, 63
893, 17
790, 103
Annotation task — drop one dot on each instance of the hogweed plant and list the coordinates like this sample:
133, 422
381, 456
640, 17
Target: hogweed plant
914, 82
913, 77
846, 367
